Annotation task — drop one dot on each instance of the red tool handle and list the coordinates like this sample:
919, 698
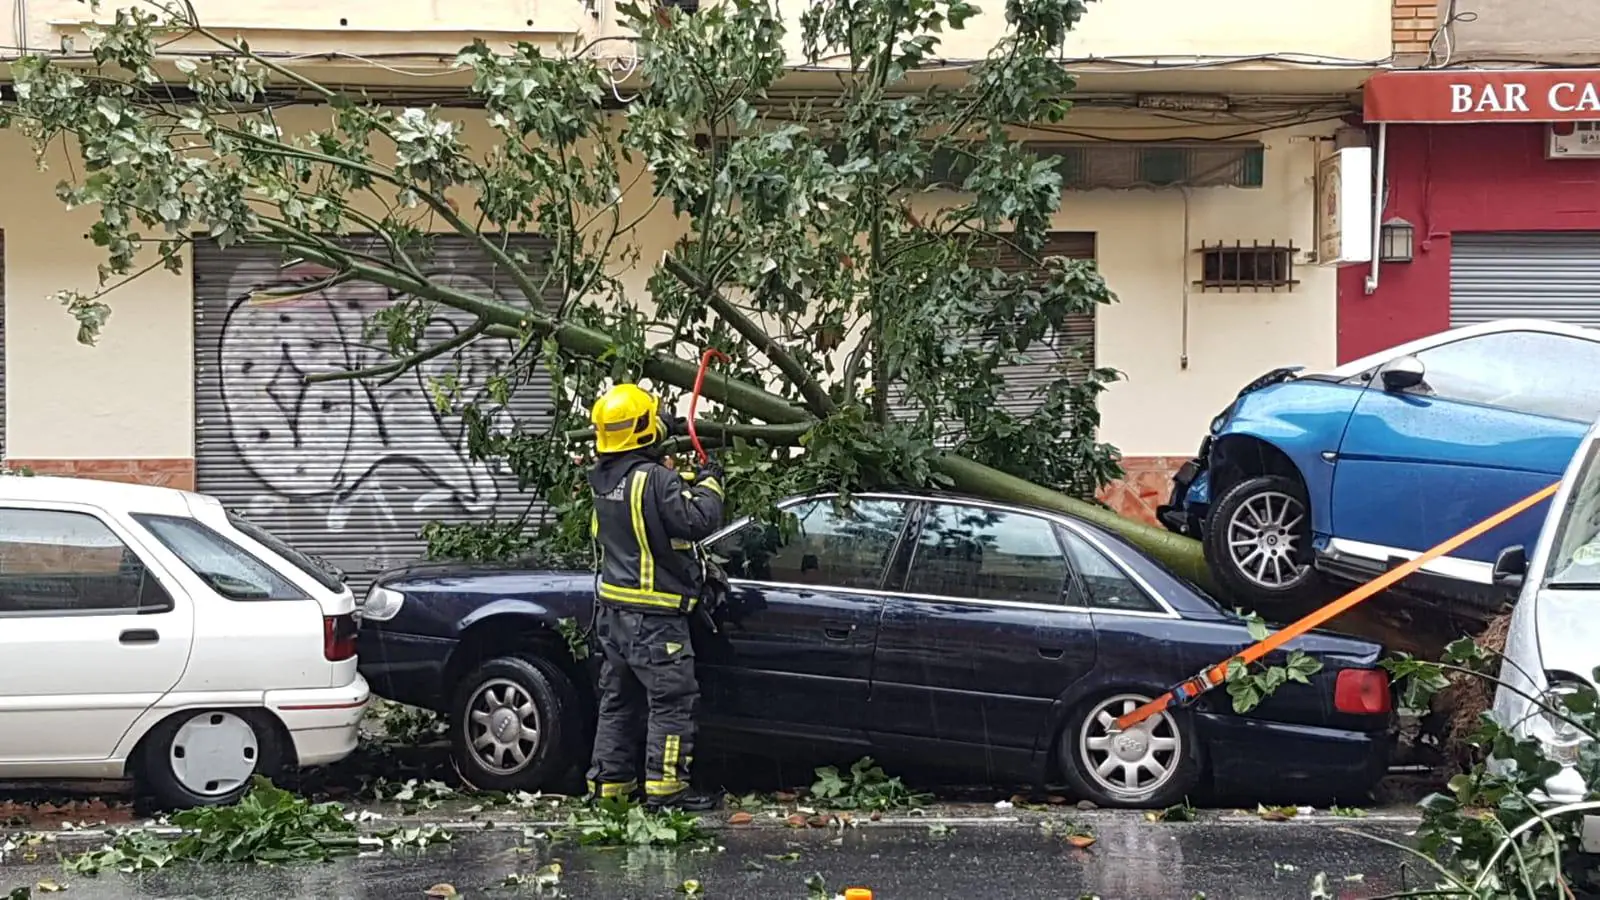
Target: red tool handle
694, 398
1218, 673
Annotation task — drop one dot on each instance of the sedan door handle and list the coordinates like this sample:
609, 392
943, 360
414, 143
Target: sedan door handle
838, 634
140, 636
1052, 652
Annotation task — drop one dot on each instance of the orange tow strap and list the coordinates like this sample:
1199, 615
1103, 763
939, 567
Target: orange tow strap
1215, 675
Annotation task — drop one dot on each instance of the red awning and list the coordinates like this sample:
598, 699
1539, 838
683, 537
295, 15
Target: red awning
1501, 95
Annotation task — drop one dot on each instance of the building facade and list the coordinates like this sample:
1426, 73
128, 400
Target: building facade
1191, 158
1491, 174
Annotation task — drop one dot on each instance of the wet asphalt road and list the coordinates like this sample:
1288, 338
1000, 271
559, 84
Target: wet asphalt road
1131, 860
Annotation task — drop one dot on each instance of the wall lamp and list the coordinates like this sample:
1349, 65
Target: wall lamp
1395, 244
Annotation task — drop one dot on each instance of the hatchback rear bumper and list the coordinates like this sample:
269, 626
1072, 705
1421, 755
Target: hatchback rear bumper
323, 723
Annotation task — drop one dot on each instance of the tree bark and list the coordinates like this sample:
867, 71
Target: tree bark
1180, 554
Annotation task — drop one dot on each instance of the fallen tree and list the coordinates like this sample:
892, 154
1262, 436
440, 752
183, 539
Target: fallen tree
871, 256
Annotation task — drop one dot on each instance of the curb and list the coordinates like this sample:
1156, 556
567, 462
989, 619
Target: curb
369, 831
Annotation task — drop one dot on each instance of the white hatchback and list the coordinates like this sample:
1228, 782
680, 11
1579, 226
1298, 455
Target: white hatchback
147, 632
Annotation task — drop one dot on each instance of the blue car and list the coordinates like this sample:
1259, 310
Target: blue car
1347, 473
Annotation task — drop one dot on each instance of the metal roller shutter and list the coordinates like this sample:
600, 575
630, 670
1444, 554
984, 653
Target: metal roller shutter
1540, 275
346, 470
1024, 381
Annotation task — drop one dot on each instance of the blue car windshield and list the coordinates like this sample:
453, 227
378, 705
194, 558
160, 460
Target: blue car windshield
1575, 558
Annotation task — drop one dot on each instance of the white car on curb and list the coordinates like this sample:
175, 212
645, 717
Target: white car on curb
148, 633
1553, 645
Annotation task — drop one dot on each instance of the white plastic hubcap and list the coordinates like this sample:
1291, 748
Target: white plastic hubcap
214, 753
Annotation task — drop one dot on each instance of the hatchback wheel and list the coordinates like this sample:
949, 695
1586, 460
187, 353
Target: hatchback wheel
207, 758
1258, 540
509, 724
1153, 764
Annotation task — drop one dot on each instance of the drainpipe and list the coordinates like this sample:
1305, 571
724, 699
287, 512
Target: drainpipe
1379, 193
1183, 270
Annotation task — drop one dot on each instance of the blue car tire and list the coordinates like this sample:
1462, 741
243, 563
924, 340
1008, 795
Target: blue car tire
1257, 541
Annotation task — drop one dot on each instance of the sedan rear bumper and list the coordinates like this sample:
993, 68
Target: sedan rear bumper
323, 724
1252, 756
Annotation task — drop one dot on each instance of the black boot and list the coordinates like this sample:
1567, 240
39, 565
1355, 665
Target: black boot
688, 800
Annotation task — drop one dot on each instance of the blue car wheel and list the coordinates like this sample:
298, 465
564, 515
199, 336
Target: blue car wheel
1257, 541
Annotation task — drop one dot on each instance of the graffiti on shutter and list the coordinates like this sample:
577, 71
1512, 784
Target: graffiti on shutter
1069, 349
346, 470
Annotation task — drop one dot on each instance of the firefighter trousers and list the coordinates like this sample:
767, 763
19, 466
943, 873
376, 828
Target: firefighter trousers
647, 688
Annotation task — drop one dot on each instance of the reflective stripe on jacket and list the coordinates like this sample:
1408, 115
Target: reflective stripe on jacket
646, 520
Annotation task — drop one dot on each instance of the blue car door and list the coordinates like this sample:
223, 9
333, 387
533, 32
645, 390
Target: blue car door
793, 655
1496, 417
981, 639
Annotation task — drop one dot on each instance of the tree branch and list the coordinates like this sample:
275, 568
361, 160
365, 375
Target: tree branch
531, 291
817, 399
575, 339
399, 367
787, 435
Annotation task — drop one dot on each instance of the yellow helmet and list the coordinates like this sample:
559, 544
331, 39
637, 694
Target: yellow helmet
626, 418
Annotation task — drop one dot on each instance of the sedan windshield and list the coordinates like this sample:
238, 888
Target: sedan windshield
1575, 558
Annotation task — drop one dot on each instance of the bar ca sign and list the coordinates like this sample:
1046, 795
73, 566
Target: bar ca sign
1532, 95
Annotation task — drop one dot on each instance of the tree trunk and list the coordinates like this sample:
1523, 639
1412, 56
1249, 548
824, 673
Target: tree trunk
1180, 554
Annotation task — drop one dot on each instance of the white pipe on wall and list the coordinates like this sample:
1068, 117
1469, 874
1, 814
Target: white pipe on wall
1379, 194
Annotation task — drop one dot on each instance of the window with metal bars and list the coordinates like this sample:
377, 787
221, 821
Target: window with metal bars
1240, 265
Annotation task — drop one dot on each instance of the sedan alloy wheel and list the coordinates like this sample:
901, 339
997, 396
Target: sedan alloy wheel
502, 726
1146, 765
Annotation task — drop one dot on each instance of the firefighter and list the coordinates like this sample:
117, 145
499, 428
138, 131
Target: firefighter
647, 520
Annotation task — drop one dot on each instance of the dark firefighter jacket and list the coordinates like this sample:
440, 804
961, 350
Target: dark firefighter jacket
646, 520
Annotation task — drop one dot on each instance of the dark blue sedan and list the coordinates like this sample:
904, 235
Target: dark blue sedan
933, 630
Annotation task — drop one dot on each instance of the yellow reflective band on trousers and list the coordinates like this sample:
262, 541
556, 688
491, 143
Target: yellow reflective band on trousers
647, 562
669, 783
608, 791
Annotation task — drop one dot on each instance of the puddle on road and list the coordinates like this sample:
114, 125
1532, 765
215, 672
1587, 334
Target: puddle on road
1135, 861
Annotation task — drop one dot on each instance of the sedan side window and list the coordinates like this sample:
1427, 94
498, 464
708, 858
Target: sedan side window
846, 548
970, 552
54, 562
1525, 371
1109, 588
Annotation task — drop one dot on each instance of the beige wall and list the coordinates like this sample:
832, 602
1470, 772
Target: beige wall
132, 396
1556, 31
1348, 30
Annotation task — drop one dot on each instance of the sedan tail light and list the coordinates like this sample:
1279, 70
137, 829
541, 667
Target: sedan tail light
1362, 692
339, 637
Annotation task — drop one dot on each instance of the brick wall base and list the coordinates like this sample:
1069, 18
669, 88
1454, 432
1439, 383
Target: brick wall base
173, 473
1146, 484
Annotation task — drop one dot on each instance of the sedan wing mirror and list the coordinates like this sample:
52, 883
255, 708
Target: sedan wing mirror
1511, 566
1403, 374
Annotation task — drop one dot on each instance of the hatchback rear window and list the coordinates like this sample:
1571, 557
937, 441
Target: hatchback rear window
224, 566
325, 574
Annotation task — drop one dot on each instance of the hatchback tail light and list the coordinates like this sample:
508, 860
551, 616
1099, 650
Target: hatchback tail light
1362, 692
339, 637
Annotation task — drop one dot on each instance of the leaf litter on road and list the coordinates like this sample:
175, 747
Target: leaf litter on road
268, 825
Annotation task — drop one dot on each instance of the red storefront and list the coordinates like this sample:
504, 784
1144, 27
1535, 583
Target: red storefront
1497, 175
